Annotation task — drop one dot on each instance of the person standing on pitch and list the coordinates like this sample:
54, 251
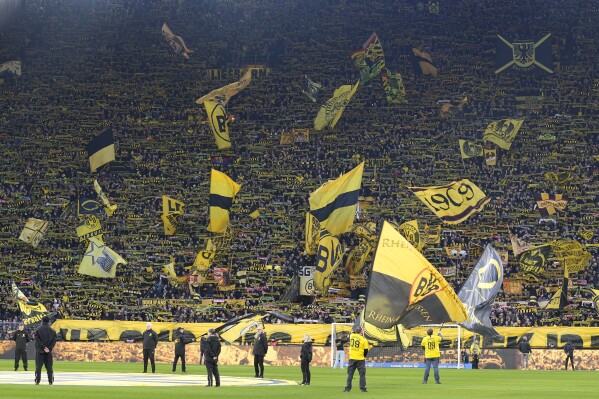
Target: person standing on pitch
340, 353
305, 359
202, 348
180, 343
260, 349
211, 358
45, 339
475, 350
358, 349
150, 340
525, 349
21, 337
569, 349
432, 353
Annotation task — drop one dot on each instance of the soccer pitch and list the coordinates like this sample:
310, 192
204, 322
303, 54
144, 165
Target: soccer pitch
326, 383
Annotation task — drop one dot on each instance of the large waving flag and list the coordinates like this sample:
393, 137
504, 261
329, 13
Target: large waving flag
406, 289
423, 63
109, 209
334, 204
503, 132
31, 312
219, 124
223, 94
205, 257
393, 87
99, 260
479, 291
172, 209
331, 111
176, 42
13, 67
222, 191
549, 204
454, 202
34, 231
101, 150
369, 59
328, 257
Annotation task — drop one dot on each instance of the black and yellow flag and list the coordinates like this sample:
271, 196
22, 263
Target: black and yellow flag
369, 59
524, 56
31, 312
88, 206
219, 124
222, 191
172, 209
479, 291
392, 335
550, 204
99, 260
470, 149
423, 63
331, 111
334, 204
311, 234
534, 259
406, 289
101, 150
503, 132
490, 156
205, 257
109, 209
34, 231
176, 42
223, 94
394, 88
328, 257
571, 255
454, 202
411, 232
91, 227
311, 88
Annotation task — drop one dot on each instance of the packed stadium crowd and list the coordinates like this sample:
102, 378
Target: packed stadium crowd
88, 66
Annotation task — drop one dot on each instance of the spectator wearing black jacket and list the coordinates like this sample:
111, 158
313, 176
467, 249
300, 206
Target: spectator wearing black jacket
569, 349
202, 348
211, 358
180, 342
150, 340
525, 349
260, 349
305, 359
21, 337
45, 339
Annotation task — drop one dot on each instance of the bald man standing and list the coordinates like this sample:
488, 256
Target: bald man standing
150, 340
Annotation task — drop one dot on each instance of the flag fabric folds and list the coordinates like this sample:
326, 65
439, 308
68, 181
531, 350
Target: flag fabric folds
334, 204
99, 260
311, 89
369, 59
423, 63
224, 94
91, 227
524, 56
550, 204
88, 206
311, 234
13, 67
101, 150
470, 149
331, 111
219, 124
453, 203
479, 291
205, 257
172, 209
571, 255
109, 209
534, 260
34, 231
406, 289
176, 42
222, 191
503, 132
328, 257
451, 108
394, 87
31, 312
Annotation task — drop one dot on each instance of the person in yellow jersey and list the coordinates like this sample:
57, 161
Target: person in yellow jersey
432, 354
475, 350
358, 349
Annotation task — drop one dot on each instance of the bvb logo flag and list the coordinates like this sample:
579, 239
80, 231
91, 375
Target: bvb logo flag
171, 211
331, 111
219, 124
34, 231
411, 232
523, 56
503, 132
470, 149
479, 291
90, 228
454, 202
405, 288
222, 191
369, 59
328, 257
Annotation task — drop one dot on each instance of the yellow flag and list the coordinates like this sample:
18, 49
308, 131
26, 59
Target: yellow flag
454, 202
469, 149
334, 204
217, 117
503, 132
34, 231
311, 234
222, 191
205, 257
331, 111
172, 209
109, 209
405, 288
411, 232
91, 227
223, 94
328, 257
99, 260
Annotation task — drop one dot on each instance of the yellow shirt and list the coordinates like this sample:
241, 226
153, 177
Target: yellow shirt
475, 349
357, 345
431, 346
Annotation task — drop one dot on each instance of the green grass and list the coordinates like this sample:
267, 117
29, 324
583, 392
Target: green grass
326, 383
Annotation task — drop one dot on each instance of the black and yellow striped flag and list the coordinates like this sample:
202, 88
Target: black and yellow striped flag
101, 150
405, 288
222, 191
334, 204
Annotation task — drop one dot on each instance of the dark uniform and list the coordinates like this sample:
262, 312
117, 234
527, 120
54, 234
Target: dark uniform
569, 349
305, 359
202, 349
45, 339
180, 342
150, 340
211, 360
21, 337
260, 349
